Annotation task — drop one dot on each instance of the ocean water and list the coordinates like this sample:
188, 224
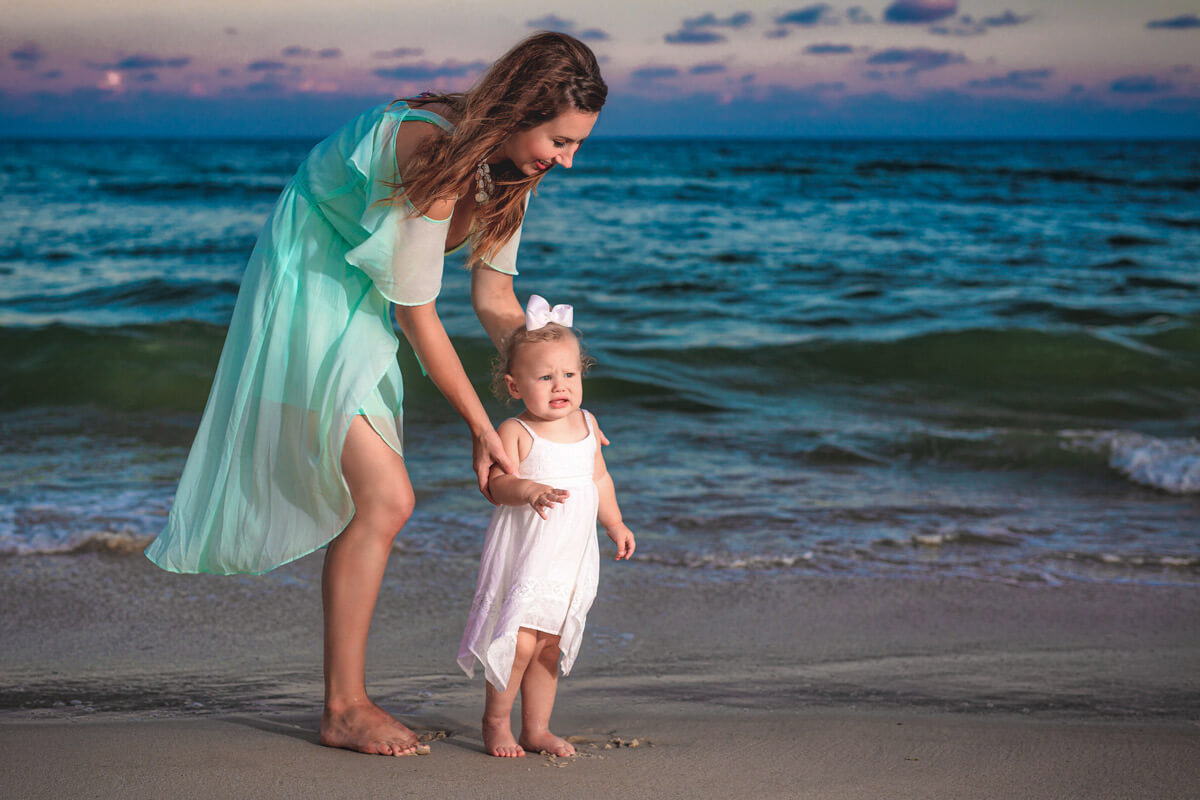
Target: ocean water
919, 359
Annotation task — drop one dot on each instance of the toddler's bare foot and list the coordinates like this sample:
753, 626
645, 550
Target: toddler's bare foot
498, 739
545, 741
367, 728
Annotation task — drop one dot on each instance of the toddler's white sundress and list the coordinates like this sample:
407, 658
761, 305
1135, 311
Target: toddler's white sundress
537, 573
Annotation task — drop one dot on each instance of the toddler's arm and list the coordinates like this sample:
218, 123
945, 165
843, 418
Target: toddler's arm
609, 512
509, 490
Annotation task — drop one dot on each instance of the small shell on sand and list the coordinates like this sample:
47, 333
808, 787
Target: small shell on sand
617, 741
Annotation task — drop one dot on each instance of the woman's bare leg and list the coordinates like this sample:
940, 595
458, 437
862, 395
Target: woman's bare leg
354, 565
538, 688
498, 737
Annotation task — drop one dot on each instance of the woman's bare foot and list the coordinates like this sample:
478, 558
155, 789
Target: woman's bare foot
546, 742
367, 728
498, 739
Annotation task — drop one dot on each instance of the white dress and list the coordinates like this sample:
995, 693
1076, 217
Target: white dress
537, 573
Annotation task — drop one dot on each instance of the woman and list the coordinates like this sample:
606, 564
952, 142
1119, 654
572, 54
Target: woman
300, 446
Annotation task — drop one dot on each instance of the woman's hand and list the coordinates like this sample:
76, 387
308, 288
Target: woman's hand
489, 452
542, 498
599, 433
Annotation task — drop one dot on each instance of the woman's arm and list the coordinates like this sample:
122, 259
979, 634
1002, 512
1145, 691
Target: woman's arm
423, 329
495, 303
509, 490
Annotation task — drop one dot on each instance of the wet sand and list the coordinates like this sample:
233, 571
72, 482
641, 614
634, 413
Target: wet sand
793, 754
123, 681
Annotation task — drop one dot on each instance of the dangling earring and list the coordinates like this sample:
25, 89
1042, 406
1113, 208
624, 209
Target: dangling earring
483, 182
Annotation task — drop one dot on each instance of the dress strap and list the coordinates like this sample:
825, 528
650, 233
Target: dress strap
425, 115
526, 427
587, 416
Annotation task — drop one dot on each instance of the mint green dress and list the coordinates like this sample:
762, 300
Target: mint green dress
310, 346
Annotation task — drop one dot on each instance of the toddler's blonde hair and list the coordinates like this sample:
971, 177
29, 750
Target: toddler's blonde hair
550, 332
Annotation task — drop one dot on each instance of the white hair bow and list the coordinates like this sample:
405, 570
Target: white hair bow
539, 312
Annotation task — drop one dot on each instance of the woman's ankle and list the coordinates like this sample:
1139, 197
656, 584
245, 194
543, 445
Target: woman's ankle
342, 705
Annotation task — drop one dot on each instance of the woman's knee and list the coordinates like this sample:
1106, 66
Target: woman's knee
387, 512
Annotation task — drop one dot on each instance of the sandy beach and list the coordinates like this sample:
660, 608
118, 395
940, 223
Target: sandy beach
124, 681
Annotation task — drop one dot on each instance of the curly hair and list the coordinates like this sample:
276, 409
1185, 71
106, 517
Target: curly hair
551, 332
541, 77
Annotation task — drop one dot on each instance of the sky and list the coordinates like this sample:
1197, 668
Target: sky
905, 68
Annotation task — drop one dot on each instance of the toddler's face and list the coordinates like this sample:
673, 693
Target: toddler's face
548, 378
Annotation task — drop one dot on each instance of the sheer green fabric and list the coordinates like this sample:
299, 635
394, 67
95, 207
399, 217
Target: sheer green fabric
310, 346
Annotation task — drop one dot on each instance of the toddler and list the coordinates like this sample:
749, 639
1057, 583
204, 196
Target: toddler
540, 563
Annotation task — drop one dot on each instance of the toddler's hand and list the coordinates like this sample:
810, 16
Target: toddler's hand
542, 498
622, 537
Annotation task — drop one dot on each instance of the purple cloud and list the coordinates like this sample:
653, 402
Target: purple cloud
553, 22
400, 52
426, 71
1007, 19
654, 73
918, 11
777, 33
858, 16
265, 65
966, 25
694, 36
27, 55
739, 20
917, 59
1030, 79
1181, 22
151, 62
806, 16
698, 30
828, 49
1140, 84
51, 74
707, 68
296, 51
143, 61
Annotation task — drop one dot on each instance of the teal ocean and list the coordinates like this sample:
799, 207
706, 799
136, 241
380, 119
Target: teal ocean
869, 358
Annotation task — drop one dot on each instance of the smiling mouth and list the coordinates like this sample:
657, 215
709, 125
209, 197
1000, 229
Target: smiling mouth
543, 165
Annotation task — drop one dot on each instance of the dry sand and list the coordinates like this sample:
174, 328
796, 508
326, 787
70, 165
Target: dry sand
123, 681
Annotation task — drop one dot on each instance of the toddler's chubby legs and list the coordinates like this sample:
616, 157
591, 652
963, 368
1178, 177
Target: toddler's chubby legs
535, 675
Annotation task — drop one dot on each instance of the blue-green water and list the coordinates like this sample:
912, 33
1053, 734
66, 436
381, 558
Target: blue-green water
930, 358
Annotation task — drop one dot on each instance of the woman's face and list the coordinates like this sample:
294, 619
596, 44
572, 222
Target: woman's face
537, 149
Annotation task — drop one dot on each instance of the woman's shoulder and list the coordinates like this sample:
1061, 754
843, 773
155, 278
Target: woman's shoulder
442, 111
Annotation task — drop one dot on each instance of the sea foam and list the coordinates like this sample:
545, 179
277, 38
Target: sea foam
1169, 464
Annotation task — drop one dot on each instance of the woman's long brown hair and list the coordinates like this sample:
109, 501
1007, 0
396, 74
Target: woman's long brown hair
543, 76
